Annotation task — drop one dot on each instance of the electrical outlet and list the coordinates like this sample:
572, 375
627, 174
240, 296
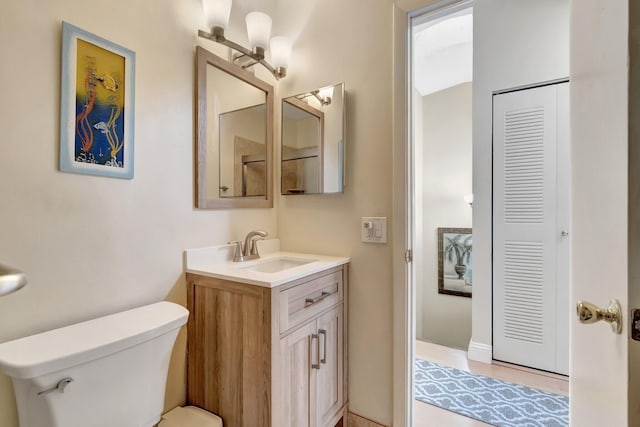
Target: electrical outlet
374, 229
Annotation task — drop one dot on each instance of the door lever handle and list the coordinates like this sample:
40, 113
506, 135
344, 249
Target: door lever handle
591, 313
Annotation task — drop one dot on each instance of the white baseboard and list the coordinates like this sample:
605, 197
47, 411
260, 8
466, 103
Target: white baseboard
480, 352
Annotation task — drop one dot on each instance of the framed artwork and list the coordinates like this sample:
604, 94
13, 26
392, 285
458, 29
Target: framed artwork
455, 261
97, 105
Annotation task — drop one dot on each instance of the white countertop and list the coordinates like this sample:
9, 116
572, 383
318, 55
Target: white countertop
217, 261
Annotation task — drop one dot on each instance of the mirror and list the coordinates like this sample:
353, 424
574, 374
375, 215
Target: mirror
234, 136
313, 141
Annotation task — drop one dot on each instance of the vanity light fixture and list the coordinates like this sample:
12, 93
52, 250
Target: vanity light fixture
323, 95
217, 13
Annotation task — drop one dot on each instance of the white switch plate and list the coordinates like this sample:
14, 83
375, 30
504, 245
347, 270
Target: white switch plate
374, 229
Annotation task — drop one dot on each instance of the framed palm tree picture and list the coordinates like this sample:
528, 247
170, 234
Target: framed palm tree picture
455, 261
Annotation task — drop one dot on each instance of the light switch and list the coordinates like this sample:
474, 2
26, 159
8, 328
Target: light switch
374, 229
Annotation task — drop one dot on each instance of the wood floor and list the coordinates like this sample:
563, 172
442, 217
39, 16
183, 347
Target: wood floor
431, 416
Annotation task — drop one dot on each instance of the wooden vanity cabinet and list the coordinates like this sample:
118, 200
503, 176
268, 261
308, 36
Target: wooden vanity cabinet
261, 356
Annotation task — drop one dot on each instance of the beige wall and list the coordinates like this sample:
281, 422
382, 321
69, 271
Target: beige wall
352, 46
94, 245
446, 179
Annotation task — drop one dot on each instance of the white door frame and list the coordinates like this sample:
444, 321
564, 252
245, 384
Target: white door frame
404, 289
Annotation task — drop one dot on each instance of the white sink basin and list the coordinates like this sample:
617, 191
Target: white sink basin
273, 268
277, 265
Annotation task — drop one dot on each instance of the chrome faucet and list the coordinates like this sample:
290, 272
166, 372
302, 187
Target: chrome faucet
250, 248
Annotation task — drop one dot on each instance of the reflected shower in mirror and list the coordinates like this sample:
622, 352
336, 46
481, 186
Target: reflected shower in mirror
235, 125
242, 145
313, 141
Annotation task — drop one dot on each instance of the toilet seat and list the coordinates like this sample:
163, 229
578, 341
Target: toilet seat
190, 416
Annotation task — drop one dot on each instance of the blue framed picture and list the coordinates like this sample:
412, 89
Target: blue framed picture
97, 105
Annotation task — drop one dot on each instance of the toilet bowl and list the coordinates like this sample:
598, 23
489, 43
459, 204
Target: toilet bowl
190, 416
105, 372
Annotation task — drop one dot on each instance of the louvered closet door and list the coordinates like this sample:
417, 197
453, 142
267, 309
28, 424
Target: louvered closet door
530, 208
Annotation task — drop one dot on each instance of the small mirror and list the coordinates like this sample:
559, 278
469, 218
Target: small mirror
313, 142
234, 139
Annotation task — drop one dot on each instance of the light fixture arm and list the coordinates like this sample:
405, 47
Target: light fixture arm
217, 35
324, 101
316, 94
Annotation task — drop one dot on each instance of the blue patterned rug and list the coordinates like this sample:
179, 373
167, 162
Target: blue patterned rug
489, 400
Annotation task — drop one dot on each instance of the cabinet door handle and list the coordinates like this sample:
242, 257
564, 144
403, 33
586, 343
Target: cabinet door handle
317, 338
323, 332
311, 301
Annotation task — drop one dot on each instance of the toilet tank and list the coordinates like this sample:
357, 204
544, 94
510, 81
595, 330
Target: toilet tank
114, 367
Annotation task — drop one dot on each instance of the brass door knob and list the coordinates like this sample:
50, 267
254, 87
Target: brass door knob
591, 313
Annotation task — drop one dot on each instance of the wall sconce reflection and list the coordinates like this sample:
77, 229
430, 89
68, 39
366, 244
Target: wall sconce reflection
323, 95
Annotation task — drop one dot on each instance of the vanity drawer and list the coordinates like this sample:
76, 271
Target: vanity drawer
302, 302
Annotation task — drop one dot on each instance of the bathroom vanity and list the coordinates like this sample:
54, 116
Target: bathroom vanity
267, 339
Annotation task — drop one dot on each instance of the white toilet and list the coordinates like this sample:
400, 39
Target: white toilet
105, 372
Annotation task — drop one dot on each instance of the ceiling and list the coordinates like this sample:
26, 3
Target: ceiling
443, 52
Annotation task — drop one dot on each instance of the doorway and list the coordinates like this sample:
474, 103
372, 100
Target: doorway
452, 198
442, 58
599, 157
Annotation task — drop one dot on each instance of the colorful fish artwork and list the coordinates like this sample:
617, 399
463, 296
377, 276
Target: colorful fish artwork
100, 103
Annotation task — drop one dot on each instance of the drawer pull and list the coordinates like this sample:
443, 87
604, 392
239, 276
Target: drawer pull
311, 301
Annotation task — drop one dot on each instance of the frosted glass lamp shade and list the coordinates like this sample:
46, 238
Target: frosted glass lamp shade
217, 12
280, 52
258, 29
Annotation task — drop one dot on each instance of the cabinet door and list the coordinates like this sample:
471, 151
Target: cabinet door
298, 352
329, 389
229, 354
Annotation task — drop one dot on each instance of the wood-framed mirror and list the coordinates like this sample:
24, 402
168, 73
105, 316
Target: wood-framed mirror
234, 139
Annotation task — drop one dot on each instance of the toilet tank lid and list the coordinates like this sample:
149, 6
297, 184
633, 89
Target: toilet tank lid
61, 348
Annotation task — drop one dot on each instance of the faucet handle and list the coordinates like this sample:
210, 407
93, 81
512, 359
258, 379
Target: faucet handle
254, 245
237, 255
